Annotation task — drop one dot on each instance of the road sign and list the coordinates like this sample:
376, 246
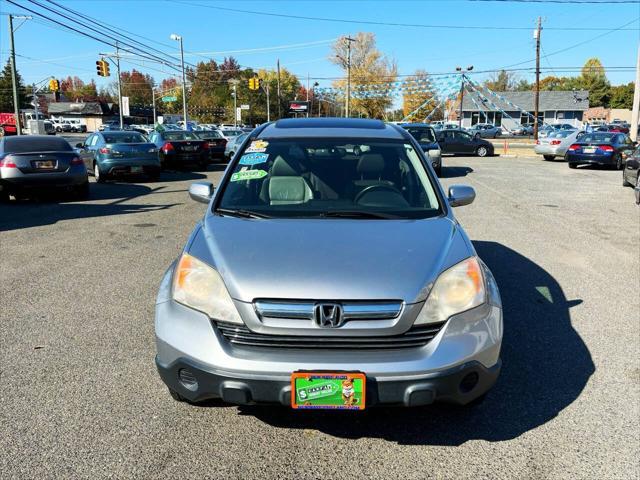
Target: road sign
169, 99
125, 106
238, 114
244, 107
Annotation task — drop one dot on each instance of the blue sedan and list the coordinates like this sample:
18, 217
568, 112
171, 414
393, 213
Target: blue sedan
600, 148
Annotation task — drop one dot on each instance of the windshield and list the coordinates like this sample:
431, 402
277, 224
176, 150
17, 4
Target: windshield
232, 133
124, 138
179, 135
422, 134
330, 177
597, 138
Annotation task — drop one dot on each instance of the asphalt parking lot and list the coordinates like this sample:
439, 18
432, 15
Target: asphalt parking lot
81, 397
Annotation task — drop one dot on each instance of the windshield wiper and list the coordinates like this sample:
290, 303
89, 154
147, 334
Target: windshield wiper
240, 213
359, 214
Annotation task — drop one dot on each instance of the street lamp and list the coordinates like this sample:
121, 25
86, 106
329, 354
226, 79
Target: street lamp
459, 69
178, 38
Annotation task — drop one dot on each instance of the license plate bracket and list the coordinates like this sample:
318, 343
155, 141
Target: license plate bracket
44, 164
328, 390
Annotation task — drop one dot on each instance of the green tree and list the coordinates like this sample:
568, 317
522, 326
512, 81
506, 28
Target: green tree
369, 67
622, 96
594, 79
6, 90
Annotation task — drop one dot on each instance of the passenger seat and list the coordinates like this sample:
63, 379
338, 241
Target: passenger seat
286, 186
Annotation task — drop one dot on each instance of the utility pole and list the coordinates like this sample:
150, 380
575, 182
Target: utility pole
235, 105
307, 94
14, 79
348, 103
537, 94
279, 103
461, 101
119, 87
153, 103
635, 114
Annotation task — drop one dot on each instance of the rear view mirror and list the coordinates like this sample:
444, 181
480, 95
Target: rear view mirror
201, 191
460, 195
79, 145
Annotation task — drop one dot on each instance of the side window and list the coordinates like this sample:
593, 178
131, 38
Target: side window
94, 140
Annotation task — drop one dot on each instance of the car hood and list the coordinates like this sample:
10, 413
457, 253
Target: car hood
330, 259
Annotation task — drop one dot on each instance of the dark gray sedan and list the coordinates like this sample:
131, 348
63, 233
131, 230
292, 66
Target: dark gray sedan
30, 164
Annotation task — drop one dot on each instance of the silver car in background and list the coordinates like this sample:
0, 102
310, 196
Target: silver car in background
329, 247
233, 144
485, 130
556, 143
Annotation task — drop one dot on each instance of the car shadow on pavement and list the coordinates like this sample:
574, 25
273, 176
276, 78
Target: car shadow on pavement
453, 172
546, 365
51, 207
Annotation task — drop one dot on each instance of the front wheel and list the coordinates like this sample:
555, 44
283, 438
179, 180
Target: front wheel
549, 157
573, 165
482, 151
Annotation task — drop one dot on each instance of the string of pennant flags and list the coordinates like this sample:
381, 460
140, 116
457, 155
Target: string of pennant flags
385, 89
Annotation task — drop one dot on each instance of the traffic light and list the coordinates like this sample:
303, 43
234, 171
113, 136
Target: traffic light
254, 83
54, 86
102, 66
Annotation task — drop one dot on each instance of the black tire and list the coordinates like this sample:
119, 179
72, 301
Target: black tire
573, 165
549, 157
82, 192
98, 175
154, 177
482, 151
619, 162
176, 396
4, 196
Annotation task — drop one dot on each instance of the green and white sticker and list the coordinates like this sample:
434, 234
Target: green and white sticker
248, 175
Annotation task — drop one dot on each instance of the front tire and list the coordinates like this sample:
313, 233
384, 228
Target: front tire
482, 151
549, 157
573, 165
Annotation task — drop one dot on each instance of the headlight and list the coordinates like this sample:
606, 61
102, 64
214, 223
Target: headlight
434, 153
456, 290
198, 286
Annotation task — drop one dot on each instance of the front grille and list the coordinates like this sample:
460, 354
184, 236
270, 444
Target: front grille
414, 337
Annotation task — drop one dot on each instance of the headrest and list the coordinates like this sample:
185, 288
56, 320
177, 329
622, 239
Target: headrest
371, 163
284, 168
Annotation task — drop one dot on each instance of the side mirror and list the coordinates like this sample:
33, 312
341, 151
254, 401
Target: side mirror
201, 191
460, 195
79, 145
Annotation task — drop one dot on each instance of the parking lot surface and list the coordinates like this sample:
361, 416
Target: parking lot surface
81, 397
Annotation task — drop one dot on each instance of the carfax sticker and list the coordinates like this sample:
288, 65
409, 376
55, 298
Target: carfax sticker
253, 158
248, 175
257, 146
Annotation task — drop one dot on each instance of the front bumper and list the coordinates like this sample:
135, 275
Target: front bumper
448, 386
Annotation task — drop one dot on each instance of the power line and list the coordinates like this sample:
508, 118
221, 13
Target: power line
387, 24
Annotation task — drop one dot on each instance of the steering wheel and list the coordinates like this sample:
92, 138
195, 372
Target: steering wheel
374, 188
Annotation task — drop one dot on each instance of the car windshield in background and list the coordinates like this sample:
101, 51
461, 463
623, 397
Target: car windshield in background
422, 134
597, 137
208, 134
124, 138
233, 133
179, 135
35, 144
561, 134
354, 178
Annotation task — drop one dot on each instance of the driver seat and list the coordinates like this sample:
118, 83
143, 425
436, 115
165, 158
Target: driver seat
370, 168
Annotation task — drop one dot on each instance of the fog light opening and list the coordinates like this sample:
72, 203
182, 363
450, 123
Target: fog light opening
187, 379
469, 382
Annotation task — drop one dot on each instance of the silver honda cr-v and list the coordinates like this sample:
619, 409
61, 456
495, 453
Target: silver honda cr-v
329, 272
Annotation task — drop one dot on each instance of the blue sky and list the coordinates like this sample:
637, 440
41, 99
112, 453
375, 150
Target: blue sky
305, 43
